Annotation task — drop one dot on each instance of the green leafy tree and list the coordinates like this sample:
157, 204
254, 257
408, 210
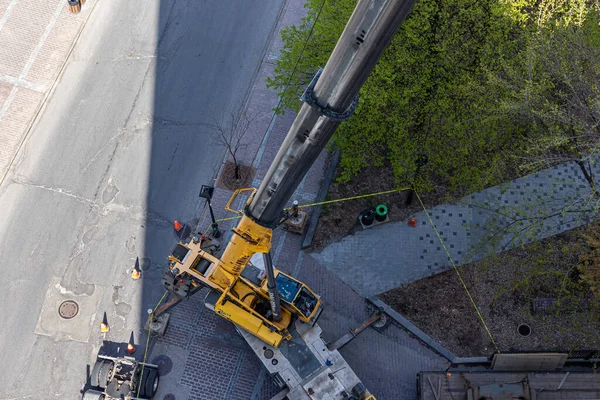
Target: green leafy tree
553, 90
435, 90
425, 95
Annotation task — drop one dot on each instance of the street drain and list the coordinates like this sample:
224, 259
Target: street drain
524, 330
68, 309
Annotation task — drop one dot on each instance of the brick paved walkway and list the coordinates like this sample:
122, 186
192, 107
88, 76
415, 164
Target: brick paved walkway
36, 37
499, 218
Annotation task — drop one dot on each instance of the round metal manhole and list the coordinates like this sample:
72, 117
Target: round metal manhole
165, 365
268, 354
169, 397
68, 309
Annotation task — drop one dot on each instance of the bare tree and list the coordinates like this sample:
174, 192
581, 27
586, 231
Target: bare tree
229, 132
556, 92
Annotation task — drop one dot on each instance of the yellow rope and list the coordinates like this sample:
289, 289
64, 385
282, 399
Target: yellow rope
458, 273
148, 343
362, 196
352, 198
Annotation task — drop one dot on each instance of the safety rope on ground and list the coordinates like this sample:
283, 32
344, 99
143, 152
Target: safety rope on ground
320, 203
148, 343
460, 278
362, 196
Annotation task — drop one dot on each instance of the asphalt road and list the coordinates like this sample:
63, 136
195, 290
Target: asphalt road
120, 150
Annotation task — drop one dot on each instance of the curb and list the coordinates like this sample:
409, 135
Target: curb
323, 190
425, 338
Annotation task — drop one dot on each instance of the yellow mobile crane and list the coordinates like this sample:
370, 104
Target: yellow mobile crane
275, 312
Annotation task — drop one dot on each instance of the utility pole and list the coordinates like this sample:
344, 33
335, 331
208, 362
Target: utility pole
331, 98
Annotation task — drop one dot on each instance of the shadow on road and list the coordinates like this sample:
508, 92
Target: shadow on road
207, 55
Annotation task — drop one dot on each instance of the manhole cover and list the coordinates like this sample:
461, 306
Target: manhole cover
268, 353
169, 397
68, 309
165, 365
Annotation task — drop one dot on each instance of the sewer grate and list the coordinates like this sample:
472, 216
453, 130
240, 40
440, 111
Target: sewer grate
68, 309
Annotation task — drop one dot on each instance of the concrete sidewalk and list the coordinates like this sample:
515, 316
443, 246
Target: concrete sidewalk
36, 38
499, 218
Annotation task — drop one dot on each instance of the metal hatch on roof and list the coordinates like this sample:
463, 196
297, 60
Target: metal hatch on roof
502, 391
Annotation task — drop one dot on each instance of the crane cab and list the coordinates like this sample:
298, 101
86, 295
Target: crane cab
297, 297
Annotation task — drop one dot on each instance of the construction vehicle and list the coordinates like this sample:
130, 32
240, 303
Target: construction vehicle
275, 312
122, 378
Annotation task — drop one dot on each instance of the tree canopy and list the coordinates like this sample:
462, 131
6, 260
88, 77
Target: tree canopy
477, 86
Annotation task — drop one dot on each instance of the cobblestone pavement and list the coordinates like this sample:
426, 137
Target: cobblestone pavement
36, 38
496, 219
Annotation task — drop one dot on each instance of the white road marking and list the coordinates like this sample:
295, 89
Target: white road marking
7, 13
22, 83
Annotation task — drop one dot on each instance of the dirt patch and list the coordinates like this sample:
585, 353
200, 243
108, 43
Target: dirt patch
228, 181
341, 219
504, 288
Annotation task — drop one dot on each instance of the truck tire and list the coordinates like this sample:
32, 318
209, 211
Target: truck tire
105, 372
152, 383
93, 395
149, 383
95, 375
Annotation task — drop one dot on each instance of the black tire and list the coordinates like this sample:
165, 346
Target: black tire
152, 383
95, 376
105, 373
93, 395
149, 383
141, 384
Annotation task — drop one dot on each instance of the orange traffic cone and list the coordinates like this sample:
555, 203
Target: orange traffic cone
412, 221
130, 346
104, 324
135, 271
177, 225
74, 6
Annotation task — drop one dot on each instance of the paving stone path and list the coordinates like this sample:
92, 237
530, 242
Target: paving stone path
531, 208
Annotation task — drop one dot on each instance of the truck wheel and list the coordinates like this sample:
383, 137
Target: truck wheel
95, 376
152, 383
105, 373
93, 395
149, 383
